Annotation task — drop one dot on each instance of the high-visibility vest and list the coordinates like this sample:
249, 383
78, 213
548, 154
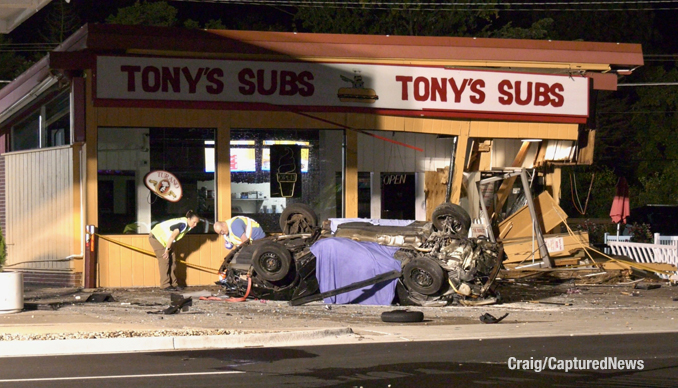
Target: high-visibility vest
162, 231
249, 224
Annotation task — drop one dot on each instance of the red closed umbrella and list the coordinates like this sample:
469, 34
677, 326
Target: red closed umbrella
620, 204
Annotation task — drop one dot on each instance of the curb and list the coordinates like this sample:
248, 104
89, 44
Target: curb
155, 344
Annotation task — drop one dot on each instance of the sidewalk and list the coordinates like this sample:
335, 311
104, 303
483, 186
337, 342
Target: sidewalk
129, 324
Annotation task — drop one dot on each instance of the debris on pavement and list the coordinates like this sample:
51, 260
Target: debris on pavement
489, 318
554, 303
633, 293
178, 303
99, 297
646, 286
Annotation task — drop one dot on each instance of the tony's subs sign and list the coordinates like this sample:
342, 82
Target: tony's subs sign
340, 85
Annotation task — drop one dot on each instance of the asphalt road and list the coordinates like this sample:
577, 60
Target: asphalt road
410, 364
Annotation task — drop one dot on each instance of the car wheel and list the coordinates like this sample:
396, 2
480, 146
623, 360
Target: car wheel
271, 261
402, 316
451, 217
298, 218
423, 276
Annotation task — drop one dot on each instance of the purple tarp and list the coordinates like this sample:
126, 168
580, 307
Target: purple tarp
342, 261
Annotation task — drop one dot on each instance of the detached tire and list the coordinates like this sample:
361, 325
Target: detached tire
424, 276
453, 217
402, 316
298, 218
271, 261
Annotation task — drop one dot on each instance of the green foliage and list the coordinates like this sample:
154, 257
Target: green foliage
213, 24
11, 64
655, 120
596, 230
408, 17
575, 185
192, 24
3, 250
659, 187
61, 21
159, 14
641, 233
210, 25
623, 27
538, 30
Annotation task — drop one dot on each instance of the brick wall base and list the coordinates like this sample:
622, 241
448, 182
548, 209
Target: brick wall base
53, 279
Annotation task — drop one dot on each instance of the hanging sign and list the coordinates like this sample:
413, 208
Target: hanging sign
164, 184
285, 171
401, 87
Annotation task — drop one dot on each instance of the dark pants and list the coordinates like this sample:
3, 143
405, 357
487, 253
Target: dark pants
167, 267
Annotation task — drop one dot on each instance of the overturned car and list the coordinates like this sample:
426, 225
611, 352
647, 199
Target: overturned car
432, 263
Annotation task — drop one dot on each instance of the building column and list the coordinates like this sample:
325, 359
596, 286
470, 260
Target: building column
459, 162
351, 175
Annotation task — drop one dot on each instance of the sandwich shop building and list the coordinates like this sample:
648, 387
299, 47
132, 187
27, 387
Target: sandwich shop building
247, 123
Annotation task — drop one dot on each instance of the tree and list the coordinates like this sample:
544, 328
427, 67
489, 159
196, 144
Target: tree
61, 21
212, 24
158, 14
11, 63
409, 17
538, 30
588, 191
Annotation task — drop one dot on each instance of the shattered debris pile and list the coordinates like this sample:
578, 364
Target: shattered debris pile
567, 255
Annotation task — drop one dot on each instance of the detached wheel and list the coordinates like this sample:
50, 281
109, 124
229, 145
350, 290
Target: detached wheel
423, 276
451, 217
402, 316
271, 261
298, 218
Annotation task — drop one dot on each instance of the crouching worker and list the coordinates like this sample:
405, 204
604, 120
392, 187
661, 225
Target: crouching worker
239, 232
162, 239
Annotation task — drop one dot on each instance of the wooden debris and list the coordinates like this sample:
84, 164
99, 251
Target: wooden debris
549, 216
559, 245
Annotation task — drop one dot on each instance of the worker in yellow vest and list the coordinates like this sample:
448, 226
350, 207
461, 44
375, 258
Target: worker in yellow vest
239, 229
162, 238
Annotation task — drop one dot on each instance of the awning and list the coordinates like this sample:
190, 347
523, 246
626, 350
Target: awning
15, 12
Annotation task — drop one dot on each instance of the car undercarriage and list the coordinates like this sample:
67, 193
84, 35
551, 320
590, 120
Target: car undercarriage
439, 264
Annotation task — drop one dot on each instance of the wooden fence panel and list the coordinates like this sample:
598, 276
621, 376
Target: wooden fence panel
120, 266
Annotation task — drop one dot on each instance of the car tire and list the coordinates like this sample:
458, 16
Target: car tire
424, 276
450, 213
298, 218
402, 316
271, 261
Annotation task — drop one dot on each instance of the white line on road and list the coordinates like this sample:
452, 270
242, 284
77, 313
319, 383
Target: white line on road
119, 376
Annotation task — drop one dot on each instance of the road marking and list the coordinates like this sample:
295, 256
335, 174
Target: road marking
119, 376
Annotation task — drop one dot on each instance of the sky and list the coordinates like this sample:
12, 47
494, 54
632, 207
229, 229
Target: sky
232, 14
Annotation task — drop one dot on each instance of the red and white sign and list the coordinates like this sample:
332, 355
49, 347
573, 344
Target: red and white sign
164, 184
554, 244
340, 85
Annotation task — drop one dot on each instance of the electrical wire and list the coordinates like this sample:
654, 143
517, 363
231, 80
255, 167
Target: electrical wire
574, 192
462, 6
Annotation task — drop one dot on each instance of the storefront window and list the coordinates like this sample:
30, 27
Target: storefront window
126, 155
271, 169
48, 126
26, 135
58, 121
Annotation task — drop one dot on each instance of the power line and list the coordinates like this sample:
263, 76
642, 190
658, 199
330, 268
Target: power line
462, 6
650, 84
321, 3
